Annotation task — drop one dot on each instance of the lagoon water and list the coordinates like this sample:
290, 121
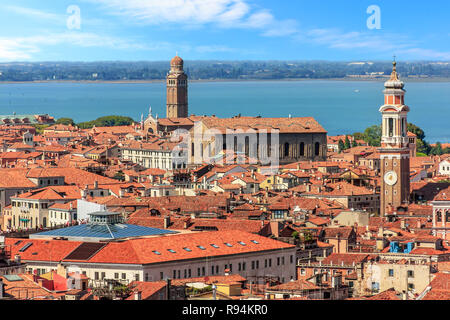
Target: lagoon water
339, 106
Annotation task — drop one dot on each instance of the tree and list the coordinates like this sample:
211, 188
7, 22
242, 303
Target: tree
372, 135
416, 130
354, 143
422, 145
341, 146
437, 150
108, 121
65, 121
119, 176
347, 143
358, 136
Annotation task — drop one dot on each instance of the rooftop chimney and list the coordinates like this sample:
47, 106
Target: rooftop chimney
336, 281
2, 289
61, 270
137, 295
166, 222
168, 288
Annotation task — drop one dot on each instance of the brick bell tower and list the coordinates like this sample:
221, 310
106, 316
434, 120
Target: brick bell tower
394, 151
177, 90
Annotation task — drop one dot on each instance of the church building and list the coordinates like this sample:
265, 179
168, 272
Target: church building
299, 138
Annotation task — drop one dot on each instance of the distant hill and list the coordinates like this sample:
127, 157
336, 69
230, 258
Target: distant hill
217, 70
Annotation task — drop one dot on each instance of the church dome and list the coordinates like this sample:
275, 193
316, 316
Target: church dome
176, 61
394, 82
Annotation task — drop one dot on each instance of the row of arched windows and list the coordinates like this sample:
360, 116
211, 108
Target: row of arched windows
286, 152
288, 149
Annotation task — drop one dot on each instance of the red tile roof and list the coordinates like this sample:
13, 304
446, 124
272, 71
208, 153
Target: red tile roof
147, 289
143, 251
42, 250
345, 258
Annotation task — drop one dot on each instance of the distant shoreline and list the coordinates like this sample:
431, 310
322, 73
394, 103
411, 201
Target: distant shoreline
228, 80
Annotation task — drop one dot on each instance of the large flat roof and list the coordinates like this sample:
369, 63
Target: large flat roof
88, 232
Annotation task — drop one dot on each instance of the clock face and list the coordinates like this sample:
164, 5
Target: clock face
390, 178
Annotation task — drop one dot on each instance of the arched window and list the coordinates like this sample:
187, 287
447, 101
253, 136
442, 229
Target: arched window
391, 127
235, 144
247, 146
302, 149
317, 149
286, 149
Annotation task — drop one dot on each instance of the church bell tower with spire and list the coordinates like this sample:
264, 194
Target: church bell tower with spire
394, 151
177, 90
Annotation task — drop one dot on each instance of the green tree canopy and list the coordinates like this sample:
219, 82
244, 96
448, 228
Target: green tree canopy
347, 143
108, 121
416, 130
358, 136
422, 145
372, 135
437, 150
341, 145
66, 121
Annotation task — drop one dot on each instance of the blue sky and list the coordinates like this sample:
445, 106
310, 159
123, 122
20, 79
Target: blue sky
34, 30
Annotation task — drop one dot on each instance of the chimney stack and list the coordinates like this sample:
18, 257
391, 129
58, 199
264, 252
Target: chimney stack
138, 295
62, 271
2, 289
168, 289
166, 222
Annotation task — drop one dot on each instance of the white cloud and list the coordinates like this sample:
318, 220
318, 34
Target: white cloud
364, 41
34, 13
23, 48
189, 13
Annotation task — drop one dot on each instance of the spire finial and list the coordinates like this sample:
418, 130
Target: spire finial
150, 111
394, 75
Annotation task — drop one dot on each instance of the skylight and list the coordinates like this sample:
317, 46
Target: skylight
187, 249
157, 252
171, 251
214, 246
201, 247
25, 247
254, 241
242, 243
228, 244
